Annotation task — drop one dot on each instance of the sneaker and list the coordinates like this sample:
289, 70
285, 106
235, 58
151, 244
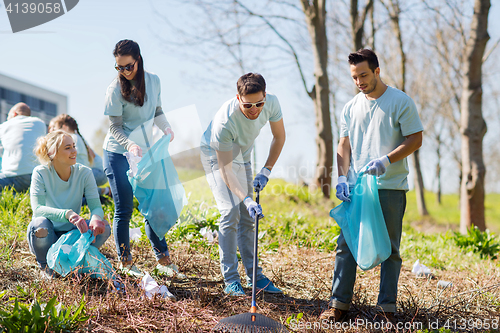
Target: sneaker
333, 315
131, 270
171, 271
266, 285
234, 289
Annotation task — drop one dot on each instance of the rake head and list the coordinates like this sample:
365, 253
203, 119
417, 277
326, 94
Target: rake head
249, 323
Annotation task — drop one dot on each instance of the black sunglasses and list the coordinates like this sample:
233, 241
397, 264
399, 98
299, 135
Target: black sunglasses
127, 68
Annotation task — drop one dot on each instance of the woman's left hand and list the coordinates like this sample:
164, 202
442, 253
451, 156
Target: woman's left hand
97, 226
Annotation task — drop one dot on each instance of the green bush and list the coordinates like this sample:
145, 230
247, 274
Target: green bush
40, 317
484, 243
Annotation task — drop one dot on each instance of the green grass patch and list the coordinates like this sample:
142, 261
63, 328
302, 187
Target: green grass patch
448, 212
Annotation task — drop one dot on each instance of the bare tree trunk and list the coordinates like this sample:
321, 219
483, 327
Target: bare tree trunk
394, 11
419, 185
473, 126
438, 170
315, 12
358, 23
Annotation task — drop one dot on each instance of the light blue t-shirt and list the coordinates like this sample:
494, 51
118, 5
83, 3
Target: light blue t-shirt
57, 195
230, 130
82, 155
18, 138
133, 116
375, 128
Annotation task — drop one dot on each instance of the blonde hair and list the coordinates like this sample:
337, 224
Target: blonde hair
47, 146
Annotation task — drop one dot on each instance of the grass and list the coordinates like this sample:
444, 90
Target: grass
447, 214
297, 242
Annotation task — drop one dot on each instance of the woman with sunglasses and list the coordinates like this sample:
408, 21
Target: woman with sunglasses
133, 104
57, 188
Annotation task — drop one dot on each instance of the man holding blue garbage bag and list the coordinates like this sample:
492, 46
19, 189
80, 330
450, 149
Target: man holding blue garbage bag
226, 148
380, 127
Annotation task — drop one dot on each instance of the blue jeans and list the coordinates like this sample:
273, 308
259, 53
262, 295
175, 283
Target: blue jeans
236, 227
115, 167
41, 235
100, 176
393, 203
19, 183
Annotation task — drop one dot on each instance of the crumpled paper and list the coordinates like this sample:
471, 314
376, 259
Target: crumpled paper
151, 288
135, 233
420, 270
209, 235
132, 162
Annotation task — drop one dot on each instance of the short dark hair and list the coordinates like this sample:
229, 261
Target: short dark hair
251, 83
364, 55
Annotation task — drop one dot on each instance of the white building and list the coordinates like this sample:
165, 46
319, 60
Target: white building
44, 104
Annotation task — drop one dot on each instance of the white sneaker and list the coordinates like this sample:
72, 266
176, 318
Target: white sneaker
131, 270
171, 271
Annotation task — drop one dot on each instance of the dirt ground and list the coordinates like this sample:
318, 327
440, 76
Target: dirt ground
303, 274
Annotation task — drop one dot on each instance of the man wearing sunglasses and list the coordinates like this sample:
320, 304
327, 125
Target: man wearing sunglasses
226, 148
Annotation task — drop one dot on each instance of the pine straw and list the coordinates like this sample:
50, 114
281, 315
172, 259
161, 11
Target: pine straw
303, 274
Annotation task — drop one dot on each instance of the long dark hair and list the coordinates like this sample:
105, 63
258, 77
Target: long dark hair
137, 93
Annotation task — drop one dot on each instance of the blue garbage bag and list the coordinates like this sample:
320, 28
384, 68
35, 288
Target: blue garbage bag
158, 189
363, 224
73, 252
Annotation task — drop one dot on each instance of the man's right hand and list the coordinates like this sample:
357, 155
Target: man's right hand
342, 189
253, 208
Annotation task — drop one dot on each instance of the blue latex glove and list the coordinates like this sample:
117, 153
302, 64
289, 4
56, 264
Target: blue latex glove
261, 179
378, 166
343, 189
253, 208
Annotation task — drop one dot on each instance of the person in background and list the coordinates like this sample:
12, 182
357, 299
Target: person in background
18, 137
133, 104
56, 192
226, 148
85, 155
379, 128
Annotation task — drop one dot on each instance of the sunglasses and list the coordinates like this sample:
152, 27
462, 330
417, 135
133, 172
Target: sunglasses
127, 68
251, 105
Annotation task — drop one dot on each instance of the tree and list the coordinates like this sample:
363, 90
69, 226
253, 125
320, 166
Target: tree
315, 13
394, 10
358, 22
266, 37
472, 124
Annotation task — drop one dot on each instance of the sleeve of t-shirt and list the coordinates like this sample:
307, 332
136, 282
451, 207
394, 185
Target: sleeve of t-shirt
221, 139
158, 101
408, 118
38, 200
276, 113
344, 122
113, 103
91, 193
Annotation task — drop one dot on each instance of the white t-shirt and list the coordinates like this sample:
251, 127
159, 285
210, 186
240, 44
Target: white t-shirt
375, 128
133, 116
230, 130
18, 138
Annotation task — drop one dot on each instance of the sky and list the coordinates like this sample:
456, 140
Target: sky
72, 55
